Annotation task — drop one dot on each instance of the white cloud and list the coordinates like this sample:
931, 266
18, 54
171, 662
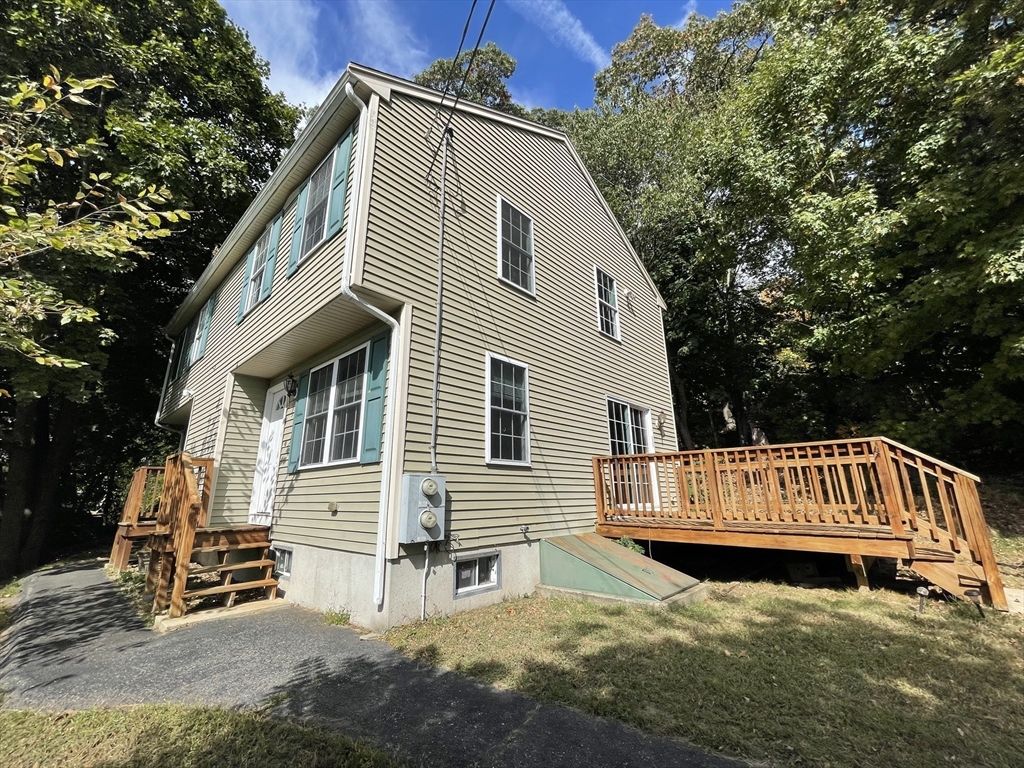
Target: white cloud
530, 97
284, 33
689, 9
384, 39
563, 28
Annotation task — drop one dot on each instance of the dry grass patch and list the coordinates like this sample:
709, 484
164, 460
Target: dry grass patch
763, 671
174, 737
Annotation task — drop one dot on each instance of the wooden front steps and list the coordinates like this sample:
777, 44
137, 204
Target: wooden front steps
861, 498
180, 575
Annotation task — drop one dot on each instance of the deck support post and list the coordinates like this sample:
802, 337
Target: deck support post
858, 565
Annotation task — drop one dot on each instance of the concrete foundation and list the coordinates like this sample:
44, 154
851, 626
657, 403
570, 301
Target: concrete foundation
326, 579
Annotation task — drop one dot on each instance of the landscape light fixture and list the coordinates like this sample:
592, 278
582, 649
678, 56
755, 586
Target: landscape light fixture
922, 593
291, 386
974, 595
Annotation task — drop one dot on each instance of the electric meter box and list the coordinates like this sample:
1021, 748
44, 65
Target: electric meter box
422, 509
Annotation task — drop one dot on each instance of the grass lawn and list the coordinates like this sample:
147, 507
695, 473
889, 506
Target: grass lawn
167, 736
764, 671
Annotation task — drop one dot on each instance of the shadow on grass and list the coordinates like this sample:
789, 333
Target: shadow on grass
847, 682
166, 736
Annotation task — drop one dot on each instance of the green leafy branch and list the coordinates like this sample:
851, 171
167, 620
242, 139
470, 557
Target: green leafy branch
100, 228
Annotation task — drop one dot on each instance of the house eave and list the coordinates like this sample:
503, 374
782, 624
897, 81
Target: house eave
271, 198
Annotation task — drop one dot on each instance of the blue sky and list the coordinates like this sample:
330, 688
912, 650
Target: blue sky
559, 44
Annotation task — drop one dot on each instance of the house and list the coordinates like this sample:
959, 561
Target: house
304, 357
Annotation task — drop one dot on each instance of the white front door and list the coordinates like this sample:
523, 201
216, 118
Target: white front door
268, 459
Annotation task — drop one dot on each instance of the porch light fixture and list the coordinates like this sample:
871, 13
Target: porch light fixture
291, 386
662, 420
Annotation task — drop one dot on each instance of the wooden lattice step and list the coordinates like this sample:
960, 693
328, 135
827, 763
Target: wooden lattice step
230, 567
236, 586
232, 547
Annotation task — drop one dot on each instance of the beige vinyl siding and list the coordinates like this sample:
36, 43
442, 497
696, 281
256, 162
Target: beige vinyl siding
572, 366
300, 508
238, 457
200, 390
292, 300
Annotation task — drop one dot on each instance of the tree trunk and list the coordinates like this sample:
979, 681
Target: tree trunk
682, 410
738, 405
50, 475
21, 453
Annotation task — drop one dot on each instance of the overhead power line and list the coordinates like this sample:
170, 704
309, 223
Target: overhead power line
462, 85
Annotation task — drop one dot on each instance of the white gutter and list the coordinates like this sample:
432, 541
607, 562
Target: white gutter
396, 337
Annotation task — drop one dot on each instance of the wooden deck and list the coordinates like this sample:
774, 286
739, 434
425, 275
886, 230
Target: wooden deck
862, 498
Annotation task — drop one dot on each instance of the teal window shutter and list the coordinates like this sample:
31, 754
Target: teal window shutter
268, 270
295, 447
300, 212
336, 212
245, 285
207, 317
373, 424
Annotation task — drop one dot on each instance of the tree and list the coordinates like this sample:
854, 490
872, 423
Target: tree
905, 210
484, 82
829, 197
671, 163
46, 247
189, 112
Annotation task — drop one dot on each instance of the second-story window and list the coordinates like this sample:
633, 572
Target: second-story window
515, 260
607, 304
259, 267
314, 225
192, 342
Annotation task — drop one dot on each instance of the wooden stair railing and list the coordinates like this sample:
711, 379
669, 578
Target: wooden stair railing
138, 518
183, 506
940, 503
862, 497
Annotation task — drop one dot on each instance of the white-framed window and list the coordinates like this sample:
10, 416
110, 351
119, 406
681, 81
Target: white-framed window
515, 247
607, 303
314, 221
259, 267
629, 428
282, 562
333, 422
192, 342
480, 573
508, 411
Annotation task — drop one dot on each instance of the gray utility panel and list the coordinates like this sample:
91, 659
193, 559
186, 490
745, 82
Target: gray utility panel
422, 508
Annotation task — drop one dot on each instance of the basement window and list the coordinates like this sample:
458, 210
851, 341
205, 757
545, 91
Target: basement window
282, 562
478, 574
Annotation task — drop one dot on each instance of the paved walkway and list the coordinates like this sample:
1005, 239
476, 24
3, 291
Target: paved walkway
77, 643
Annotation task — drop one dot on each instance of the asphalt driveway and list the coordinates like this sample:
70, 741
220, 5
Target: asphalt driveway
77, 643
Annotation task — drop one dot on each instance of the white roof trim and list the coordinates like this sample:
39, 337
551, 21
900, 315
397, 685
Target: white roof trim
273, 196
392, 83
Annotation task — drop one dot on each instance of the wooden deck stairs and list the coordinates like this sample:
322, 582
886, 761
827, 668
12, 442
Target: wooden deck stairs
190, 562
862, 498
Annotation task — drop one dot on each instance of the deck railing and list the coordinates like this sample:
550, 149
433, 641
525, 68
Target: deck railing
861, 487
138, 516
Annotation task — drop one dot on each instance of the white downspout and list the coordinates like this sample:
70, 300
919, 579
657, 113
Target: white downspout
163, 394
396, 337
